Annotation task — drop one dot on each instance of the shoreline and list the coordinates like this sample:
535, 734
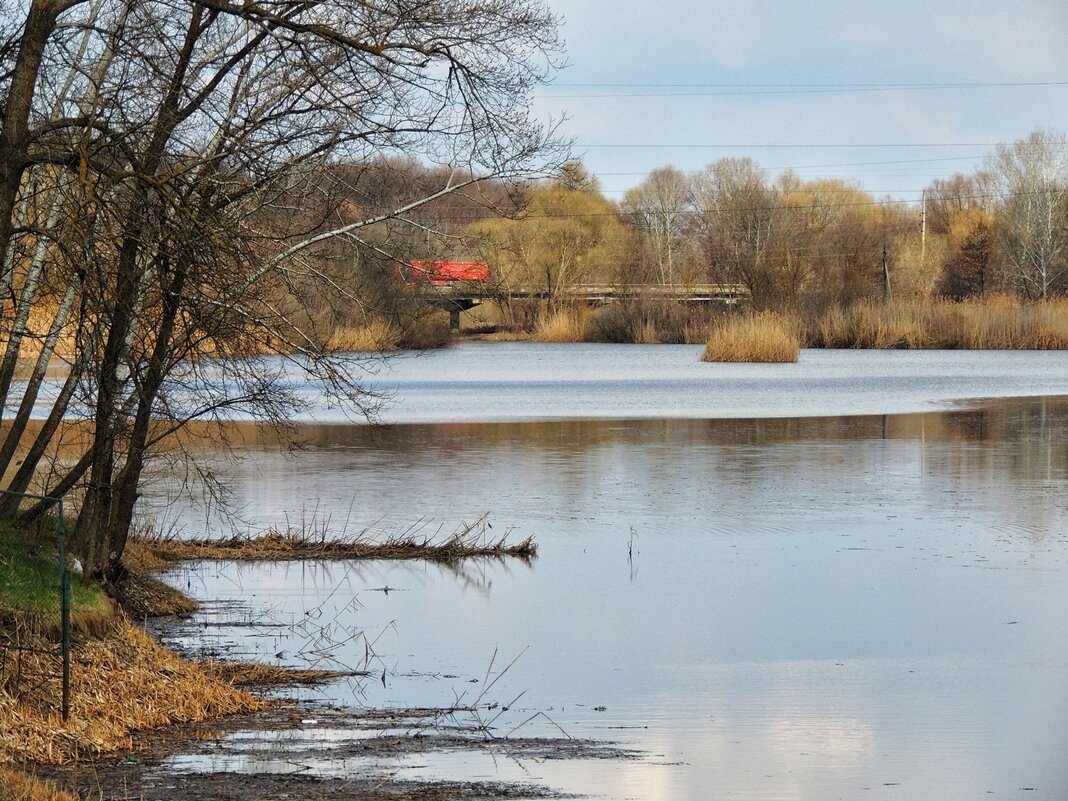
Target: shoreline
172, 703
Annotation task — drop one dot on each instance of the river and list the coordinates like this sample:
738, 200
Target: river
843, 578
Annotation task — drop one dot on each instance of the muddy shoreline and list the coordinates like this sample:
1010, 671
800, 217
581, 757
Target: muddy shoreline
308, 737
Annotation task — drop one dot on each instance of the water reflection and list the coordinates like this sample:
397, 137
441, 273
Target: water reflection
811, 608
353, 478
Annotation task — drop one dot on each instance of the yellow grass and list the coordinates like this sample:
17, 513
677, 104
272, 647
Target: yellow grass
998, 323
648, 333
20, 787
566, 325
765, 337
120, 684
375, 335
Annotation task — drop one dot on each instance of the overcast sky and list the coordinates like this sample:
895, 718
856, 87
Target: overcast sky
754, 49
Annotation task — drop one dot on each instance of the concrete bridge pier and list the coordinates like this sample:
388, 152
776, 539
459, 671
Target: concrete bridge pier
456, 305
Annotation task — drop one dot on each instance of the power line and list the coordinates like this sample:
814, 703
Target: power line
884, 85
819, 166
758, 90
814, 145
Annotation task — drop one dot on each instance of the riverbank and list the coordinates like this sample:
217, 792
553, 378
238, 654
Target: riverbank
122, 682
135, 704
990, 323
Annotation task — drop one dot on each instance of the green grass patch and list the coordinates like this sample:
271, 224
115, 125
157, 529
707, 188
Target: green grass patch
29, 576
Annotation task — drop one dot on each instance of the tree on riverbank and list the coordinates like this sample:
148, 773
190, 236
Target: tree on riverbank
798, 246
162, 200
1030, 183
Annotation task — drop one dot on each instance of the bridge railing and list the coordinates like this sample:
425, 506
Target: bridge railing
722, 292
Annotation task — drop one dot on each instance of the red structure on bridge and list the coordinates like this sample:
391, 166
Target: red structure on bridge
459, 279
445, 273
457, 286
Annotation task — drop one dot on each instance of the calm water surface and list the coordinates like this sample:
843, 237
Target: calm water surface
861, 606
481, 382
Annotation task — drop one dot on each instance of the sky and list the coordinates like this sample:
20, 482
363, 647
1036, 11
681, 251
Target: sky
813, 87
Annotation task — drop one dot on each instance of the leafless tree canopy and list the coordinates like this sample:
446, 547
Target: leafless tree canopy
174, 203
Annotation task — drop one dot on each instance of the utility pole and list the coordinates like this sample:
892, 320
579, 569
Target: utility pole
923, 228
887, 293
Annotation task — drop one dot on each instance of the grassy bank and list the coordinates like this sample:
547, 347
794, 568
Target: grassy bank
121, 680
994, 322
29, 587
121, 683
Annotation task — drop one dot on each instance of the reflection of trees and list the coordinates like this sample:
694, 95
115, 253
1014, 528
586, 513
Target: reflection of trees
348, 578
535, 472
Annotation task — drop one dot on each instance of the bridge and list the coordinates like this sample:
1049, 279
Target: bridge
459, 296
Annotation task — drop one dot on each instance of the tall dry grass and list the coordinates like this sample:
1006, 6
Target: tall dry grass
417, 542
765, 337
996, 323
23, 787
564, 325
376, 335
643, 321
121, 683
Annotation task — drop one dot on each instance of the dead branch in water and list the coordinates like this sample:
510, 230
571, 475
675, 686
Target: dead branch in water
470, 540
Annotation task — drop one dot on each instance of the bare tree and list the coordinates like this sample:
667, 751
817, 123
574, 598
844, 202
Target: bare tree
659, 207
1030, 180
740, 215
163, 166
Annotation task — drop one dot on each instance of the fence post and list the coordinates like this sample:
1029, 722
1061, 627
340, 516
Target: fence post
64, 595
64, 612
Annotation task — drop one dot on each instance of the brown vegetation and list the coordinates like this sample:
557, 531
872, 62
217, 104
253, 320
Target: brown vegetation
20, 787
260, 674
641, 321
999, 323
565, 325
294, 544
766, 337
373, 336
121, 683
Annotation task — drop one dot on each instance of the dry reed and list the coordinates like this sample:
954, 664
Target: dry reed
566, 325
470, 540
22, 787
765, 337
376, 335
259, 674
648, 333
120, 684
995, 323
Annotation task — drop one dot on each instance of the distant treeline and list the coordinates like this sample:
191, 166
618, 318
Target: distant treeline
801, 246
